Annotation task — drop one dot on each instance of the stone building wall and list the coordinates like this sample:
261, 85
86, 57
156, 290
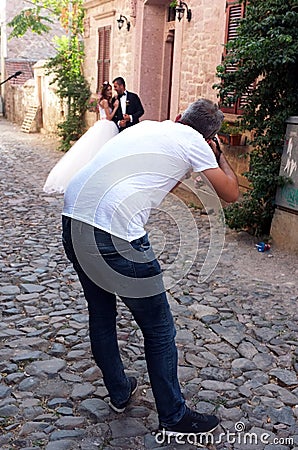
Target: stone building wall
141, 54
18, 99
36, 91
201, 49
53, 108
103, 13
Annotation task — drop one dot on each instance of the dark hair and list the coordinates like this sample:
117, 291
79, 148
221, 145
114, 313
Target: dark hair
119, 80
103, 92
204, 116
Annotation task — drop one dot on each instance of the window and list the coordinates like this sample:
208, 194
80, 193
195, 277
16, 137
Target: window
234, 13
103, 60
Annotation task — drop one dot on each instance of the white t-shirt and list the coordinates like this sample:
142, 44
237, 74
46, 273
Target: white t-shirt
132, 173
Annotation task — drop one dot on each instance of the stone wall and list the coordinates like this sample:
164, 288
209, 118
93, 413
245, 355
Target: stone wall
284, 231
36, 91
52, 108
238, 158
18, 100
143, 54
201, 48
102, 14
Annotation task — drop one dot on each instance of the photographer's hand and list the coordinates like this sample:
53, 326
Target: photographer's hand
214, 144
223, 178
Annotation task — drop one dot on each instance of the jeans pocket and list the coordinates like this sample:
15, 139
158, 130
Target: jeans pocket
142, 244
109, 245
146, 264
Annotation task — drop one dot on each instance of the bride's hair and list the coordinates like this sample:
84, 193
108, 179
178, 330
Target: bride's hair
103, 91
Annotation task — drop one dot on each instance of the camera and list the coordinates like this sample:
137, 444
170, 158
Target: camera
214, 139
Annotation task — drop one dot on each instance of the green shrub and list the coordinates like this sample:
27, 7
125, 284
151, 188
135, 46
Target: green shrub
265, 53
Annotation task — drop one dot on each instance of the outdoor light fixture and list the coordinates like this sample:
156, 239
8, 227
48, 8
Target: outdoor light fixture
17, 74
180, 11
121, 22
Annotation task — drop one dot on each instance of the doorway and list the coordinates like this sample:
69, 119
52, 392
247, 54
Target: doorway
155, 59
167, 73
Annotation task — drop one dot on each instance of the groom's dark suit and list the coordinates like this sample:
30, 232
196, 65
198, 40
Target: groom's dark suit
134, 108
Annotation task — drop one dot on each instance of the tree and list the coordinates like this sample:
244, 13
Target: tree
264, 54
67, 65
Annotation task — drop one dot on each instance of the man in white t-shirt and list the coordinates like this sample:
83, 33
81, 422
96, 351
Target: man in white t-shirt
106, 207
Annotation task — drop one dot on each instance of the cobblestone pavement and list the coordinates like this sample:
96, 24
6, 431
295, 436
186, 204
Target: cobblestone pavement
236, 332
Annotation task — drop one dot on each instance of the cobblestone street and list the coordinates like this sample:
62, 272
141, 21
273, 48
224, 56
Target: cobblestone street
237, 332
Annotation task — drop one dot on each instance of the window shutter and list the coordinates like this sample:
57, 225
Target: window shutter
234, 13
107, 46
243, 100
103, 61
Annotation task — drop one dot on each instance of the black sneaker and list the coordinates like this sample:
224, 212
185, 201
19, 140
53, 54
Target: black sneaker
121, 407
193, 422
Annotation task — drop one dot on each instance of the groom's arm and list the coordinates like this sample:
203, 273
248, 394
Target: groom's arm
136, 108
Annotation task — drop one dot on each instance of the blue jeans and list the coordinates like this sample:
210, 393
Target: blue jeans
152, 314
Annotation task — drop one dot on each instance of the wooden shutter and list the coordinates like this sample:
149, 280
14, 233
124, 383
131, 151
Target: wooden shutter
234, 13
103, 60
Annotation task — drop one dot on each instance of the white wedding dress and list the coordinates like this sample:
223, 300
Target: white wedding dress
80, 154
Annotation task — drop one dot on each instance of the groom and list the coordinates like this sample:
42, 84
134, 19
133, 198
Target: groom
130, 108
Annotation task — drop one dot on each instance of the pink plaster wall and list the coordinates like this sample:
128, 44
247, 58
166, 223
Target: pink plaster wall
151, 61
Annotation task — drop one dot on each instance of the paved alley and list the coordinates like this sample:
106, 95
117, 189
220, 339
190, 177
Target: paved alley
237, 331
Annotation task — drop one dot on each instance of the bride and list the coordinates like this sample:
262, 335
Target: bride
87, 146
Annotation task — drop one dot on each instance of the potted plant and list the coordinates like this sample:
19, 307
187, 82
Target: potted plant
230, 133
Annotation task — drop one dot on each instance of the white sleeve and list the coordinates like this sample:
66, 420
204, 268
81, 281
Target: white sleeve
200, 155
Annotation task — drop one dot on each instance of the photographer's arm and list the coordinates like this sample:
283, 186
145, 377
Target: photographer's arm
224, 180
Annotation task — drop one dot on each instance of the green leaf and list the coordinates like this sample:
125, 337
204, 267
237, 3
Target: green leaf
265, 51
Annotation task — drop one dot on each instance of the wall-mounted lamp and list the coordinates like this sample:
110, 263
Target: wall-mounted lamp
121, 22
17, 74
180, 11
